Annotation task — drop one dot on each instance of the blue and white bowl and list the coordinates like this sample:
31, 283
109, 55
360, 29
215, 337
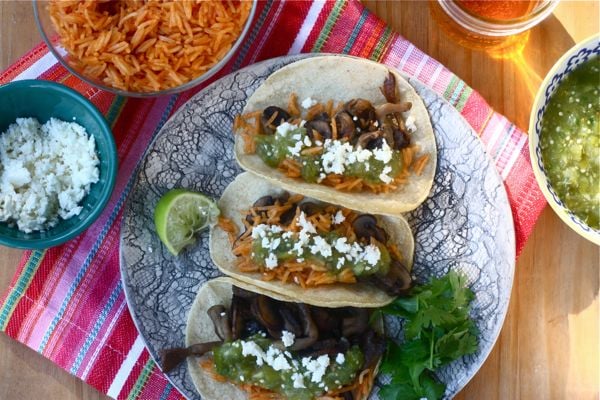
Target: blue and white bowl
578, 54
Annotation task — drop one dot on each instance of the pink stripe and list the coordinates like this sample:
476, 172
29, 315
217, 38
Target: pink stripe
86, 304
396, 51
100, 341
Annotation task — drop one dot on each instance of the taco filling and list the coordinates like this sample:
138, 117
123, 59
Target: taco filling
355, 146
292, 240
275, 349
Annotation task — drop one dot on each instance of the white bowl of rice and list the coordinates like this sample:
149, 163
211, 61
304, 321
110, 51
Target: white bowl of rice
144, 49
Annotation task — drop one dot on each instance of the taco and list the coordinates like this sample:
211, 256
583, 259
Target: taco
313, 252
343, 130
243, 343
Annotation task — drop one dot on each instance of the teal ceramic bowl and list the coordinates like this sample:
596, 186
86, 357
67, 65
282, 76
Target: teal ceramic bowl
44, 100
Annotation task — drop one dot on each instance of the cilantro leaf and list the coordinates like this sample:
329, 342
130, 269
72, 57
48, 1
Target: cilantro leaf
437, 331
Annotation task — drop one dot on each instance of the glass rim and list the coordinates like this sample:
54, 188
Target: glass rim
54, 49
496, 27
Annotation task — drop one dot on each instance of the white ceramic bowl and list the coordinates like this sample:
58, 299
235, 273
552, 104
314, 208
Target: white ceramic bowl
578, 54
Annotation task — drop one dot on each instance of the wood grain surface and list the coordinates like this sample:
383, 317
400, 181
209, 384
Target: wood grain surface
549, 345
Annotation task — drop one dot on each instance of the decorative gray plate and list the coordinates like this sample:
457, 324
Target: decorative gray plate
465, 224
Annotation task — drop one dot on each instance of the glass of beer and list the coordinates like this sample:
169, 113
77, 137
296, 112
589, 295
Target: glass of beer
497, 18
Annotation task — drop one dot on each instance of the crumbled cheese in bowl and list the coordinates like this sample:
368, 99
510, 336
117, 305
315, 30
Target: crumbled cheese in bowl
45, 172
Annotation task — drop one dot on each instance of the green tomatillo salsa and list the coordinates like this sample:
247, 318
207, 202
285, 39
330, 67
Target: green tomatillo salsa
255, 361
375, 166
570, 141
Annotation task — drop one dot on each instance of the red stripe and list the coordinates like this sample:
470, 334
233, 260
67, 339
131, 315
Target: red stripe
18, 316
155, 385
33, 292
318, 27
54, 73
23, 63
369, 36
476, 111
113, 354
134, 375
341, 31
290, 20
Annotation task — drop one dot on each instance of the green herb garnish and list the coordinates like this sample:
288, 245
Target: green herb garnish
437, 331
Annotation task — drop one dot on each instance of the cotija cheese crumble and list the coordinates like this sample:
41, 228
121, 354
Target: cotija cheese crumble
45, 171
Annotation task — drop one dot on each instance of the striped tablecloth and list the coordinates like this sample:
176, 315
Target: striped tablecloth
67, 302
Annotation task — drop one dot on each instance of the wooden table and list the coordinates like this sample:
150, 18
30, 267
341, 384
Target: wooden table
548, 348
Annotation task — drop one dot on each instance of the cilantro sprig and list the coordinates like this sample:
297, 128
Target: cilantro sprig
437, 331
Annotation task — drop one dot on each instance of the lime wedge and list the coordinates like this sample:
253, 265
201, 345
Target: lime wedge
180, 214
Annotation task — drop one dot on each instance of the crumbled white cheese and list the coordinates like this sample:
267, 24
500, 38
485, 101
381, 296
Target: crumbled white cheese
271, 261
340, 359
307, 141
341, 245
338, 218
250, 348
320, 246
295, 151
384, 154
285, 127
410, 123
306, 225
45, 172
372, 254
280, 363
385, 178
297, 381
260, 231
287, 338
316, 367
334, 157
308, 103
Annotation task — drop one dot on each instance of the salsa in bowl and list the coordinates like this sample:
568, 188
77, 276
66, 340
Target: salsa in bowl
565, 138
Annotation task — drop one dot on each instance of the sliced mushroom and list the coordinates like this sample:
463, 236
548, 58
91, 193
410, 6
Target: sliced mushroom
396, 282
369, 139
264, 309
272, 117
309, 208
365, 227
261, 202
328, 323
401, 139
362, 112
288, 215
355, 323
310, 331
390, 89
373, 346
171, 358
290, 320
321, 126
243, 293
344, 125
240, 312
385, 109
220, 318
329, 346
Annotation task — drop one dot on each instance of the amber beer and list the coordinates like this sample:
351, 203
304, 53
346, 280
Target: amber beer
501, 10
465, 21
